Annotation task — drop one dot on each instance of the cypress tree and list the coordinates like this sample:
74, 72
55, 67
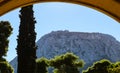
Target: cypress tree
5, 32
26, 48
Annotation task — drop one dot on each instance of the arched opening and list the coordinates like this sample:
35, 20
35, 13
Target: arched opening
64, 16
85, 20
109, 7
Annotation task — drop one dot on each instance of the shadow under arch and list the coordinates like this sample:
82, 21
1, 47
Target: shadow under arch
108, 7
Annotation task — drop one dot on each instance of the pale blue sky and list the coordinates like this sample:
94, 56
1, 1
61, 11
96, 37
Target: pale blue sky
62, 16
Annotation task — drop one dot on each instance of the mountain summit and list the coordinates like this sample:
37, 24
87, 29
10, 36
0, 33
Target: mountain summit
90, 47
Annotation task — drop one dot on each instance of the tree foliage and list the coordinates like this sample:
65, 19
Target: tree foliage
42, 64
67, 63
99, 67
5, 67
104, 66
26, 48
114, 68
5, 32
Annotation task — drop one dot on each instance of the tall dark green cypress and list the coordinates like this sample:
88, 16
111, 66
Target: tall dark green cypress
26, 48
5, 32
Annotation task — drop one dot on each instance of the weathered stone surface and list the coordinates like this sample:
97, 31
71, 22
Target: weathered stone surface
90, 47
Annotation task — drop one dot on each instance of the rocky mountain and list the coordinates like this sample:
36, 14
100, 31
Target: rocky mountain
90, 47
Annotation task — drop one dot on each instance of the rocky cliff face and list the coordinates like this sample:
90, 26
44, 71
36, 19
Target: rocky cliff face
90, 47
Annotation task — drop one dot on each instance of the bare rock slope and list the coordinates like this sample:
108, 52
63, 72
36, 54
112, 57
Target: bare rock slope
90, 47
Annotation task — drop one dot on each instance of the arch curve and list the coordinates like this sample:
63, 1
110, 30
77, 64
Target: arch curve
108, 7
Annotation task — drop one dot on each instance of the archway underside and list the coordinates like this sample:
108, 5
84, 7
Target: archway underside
109, 7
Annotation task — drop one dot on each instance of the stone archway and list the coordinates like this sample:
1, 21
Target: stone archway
108, 7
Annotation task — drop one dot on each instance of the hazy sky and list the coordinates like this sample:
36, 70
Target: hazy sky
62, 16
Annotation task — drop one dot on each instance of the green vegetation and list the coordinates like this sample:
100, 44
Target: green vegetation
98, 67
114, 68
26, 48
42, 64
5, 32
70, 63
104, 66
66, 63
5, 67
